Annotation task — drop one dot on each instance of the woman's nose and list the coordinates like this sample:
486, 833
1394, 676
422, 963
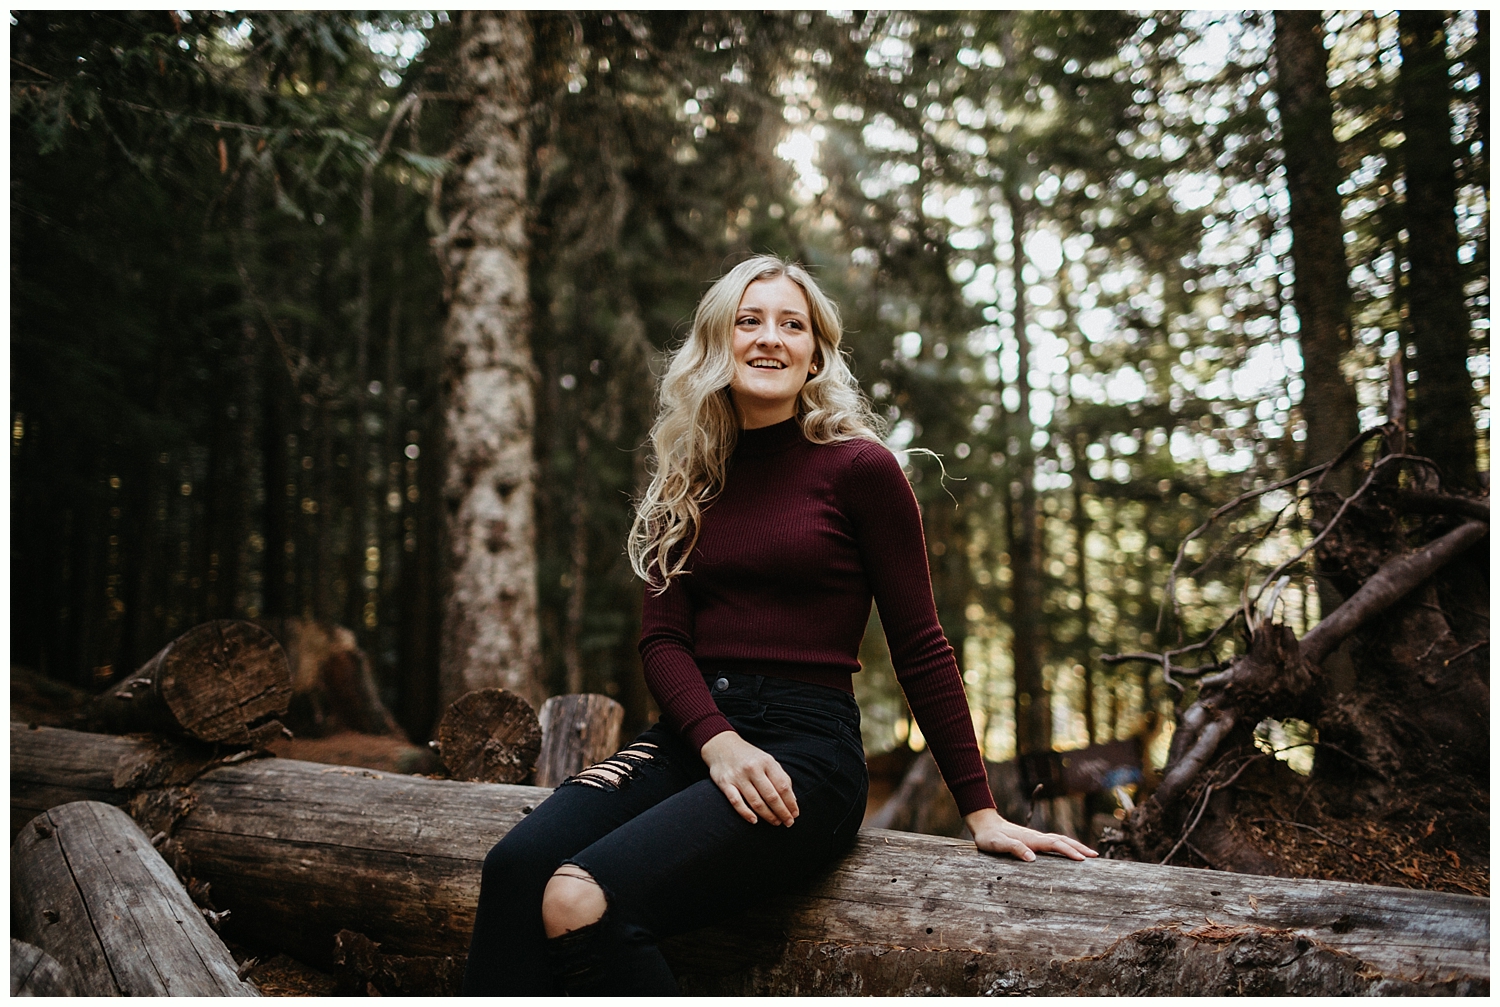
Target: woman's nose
769, 336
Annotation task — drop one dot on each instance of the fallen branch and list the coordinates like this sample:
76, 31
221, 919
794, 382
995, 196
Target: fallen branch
1390, 584
1422, 502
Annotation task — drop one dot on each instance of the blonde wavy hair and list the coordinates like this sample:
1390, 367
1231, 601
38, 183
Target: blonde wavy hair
696, 424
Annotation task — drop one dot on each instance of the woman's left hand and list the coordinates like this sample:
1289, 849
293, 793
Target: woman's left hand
993, 834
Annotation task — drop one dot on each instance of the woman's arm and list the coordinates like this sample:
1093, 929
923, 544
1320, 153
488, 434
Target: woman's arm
671, 671
888, 524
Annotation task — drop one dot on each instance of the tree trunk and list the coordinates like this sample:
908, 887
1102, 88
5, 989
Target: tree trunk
490, 633
222, 681
1081, 526
578, 561
299, 851
1321, 292
1033, 704
89, 890
1438, 320
577, 731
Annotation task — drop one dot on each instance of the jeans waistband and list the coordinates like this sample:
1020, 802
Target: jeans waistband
782, 692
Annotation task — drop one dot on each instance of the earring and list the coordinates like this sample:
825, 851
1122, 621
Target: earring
812, 369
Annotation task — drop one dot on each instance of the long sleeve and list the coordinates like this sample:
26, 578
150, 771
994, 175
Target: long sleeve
888, 528
671, 673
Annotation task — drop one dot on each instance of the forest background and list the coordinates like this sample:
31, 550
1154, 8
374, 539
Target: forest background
1068, 247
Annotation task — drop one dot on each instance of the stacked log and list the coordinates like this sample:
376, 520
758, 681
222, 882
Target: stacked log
90, 894
300, 852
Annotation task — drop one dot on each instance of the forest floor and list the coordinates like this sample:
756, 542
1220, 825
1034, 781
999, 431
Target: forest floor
1407, 845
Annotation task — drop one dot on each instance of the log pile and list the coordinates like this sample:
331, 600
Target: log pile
304, 853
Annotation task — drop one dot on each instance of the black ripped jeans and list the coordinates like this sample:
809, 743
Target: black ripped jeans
665, 846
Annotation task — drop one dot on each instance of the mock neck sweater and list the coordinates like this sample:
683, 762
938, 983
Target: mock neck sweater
790, 553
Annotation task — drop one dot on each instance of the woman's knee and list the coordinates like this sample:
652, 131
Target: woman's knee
572, 900
516, 863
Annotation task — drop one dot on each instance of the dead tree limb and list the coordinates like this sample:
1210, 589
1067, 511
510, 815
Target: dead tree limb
300, 851
1423, 502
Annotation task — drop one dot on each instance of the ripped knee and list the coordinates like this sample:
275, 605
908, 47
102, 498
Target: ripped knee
572, 900
617, 770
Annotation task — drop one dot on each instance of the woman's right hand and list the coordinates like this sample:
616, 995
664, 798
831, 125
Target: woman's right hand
753, 781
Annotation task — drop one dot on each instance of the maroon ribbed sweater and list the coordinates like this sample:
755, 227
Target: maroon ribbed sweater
789, 555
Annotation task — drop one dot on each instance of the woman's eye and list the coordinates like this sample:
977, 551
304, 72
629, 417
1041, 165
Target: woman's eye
748, 320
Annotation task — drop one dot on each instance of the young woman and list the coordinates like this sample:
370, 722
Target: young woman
775, 515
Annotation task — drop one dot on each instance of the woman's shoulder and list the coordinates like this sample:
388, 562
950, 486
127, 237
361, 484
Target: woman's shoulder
862, 458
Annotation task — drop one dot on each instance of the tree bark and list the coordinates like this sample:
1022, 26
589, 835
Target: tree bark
490, 633
1321, 292
89, 890
1437, 319
1033, 704
577, 731
222, 681
299, 851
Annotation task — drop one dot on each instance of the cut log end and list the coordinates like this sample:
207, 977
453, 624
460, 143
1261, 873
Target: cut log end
489, 736
224, 681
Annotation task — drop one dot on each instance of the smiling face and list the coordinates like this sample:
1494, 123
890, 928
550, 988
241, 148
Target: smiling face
773, 350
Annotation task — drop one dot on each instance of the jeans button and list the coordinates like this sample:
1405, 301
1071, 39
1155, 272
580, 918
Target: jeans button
721, 685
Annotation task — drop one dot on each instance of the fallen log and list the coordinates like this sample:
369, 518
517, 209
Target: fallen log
88, 889
222, 681
577, 731
35, 973
300, 851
